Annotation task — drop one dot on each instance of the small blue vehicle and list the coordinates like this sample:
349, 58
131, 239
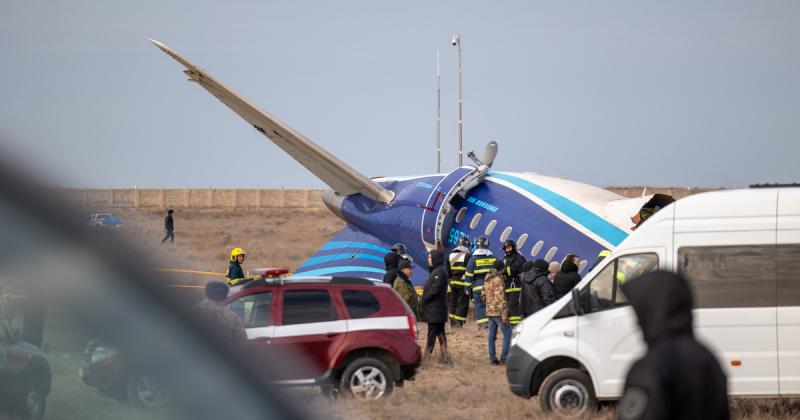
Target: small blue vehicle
104, 219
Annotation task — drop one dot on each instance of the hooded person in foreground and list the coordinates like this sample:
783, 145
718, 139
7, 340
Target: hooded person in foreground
434, 304
678, 378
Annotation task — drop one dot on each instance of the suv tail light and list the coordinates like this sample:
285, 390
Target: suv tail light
412, 326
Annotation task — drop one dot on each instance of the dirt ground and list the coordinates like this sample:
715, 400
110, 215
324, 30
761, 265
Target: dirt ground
469, 388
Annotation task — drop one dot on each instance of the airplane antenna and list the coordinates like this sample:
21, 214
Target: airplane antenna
438, 116
457, 43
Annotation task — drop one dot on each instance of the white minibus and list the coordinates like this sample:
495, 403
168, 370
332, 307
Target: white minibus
739, 250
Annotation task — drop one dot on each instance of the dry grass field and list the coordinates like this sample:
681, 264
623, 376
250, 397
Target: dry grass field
469, 388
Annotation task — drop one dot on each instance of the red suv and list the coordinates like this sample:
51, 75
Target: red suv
348, 335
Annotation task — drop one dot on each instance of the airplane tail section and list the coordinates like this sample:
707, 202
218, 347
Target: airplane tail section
338, 175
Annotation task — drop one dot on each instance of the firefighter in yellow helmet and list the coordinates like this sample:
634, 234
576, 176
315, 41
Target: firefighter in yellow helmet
235, 272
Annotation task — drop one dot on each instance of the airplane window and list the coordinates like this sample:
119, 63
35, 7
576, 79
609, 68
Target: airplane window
490, 227
550, 254
537, 248
582, 266
521, 240
505, 234
460, 215
475, 220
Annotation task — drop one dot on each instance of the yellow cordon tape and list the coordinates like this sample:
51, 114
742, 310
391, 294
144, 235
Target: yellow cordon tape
178, 270
188, 286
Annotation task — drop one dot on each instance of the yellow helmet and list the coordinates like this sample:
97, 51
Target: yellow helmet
236, 252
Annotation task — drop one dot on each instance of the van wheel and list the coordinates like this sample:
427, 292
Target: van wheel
367, 379
568, 393
145, 392
33, 400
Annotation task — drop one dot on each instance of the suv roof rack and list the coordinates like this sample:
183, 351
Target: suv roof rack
775, 185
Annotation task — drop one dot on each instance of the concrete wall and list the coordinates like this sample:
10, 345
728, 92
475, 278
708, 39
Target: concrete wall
193, 197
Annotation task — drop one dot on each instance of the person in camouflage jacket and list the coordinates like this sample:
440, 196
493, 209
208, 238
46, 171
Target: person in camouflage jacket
494, 296
402, 285
221, 320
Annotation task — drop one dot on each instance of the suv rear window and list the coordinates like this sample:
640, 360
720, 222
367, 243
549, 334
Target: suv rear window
306, 306
360, 303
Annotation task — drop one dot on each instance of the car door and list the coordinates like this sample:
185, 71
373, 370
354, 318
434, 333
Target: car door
255, 310
609, 337
788, 283
309, 332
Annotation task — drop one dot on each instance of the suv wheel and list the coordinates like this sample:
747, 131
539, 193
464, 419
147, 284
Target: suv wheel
144, 391
568, 393
367, 379
33, 400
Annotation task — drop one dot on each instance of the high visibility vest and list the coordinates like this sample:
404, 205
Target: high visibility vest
477, 269
458, 267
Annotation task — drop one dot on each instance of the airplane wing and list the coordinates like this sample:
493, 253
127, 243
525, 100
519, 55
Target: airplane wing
338, 175
353, 253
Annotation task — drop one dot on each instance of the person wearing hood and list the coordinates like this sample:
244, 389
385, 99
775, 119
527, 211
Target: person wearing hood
513, 263
403, 286
434, 304
391, 260
459, 301
678, 378
566, 279
537, 291
480, 263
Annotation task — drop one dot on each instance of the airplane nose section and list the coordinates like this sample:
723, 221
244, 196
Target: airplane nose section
333, 202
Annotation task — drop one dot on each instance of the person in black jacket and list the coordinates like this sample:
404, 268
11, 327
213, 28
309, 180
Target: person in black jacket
678, 378
513, 263
537, 291
434, 304
566, 279
169, 226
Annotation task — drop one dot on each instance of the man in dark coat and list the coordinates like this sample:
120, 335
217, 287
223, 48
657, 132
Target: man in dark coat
434, 304
169, 227
678, 378
391, 259
513, 263
566, 279
537, 291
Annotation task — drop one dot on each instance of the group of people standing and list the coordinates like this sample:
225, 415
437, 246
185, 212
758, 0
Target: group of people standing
503, 290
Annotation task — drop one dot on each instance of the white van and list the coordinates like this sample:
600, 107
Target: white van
740, 251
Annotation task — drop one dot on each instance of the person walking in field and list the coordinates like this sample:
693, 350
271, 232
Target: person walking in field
403, 286
434, 304
494, 296
169, 227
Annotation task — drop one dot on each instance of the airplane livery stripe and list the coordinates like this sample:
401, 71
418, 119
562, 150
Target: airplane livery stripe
343, 269
336, 257
352, 244
594, 223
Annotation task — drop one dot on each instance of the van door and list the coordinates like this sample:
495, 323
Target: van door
729, 261
609, 336
788, 281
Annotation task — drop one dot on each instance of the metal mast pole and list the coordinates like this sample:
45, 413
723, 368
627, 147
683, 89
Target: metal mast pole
438, 116
457, 43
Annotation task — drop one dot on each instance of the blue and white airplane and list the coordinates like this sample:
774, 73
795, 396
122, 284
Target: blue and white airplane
549, 217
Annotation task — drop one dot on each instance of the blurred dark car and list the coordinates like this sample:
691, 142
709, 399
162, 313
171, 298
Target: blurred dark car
24, 376
106, 371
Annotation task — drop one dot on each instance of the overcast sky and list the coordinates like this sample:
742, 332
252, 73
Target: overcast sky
609, 93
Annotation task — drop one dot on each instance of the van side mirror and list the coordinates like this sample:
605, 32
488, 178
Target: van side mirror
576, 302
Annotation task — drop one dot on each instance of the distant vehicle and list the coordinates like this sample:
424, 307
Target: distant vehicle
106, 371
350, 336
25, 376
104, 219
739, 250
